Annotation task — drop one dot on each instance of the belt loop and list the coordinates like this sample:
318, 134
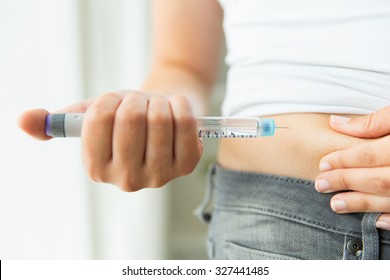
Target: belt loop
202, 211
370, 236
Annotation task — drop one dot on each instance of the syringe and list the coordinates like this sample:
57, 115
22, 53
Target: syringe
70, 124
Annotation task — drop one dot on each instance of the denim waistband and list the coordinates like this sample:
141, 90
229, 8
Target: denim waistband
286, 197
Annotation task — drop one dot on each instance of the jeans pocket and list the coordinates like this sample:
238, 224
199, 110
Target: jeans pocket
233, 251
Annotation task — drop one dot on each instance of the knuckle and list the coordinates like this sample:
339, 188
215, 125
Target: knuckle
96, 174
370, 124
129, 183
158, 118
111, 95
187, 169
158, 182
366, 204
368, 157
158, 101
104, 106
344, 181
340, 159
185, 122
99, 114
159, 113
179, 99
126, 116
335, 159
136, 95
157, 175
380, 185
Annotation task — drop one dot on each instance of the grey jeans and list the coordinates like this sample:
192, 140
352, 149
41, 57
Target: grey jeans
261, 216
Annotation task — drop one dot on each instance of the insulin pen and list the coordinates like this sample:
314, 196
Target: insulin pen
69, 125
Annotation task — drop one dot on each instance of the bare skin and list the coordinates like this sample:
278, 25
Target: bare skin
187, 43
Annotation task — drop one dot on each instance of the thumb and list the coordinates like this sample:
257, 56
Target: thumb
373, 125
383, 221
33, 121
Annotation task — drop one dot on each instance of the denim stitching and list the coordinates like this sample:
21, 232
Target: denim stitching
385, 241
227, 245
289, 217
377, 237
268, 177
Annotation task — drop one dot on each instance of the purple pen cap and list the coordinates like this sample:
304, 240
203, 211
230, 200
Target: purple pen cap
54, 125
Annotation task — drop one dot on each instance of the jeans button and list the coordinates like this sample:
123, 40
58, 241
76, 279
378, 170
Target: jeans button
354, 246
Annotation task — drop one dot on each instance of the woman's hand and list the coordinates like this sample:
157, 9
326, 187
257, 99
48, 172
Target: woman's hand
132, 140
363, 170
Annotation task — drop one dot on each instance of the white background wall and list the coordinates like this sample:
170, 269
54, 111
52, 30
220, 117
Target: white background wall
44, 203
53, 53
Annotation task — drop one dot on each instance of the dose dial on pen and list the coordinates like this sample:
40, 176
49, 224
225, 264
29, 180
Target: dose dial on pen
221, 127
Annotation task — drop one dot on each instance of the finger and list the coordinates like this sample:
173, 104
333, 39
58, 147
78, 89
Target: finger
187, 145
352, 202
33, 123
159, 143
83, 106
371, 154
369, 126
79, 107
367, 180
130, 132
96, 134
383, 221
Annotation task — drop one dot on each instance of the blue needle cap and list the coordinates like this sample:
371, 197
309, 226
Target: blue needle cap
267, 127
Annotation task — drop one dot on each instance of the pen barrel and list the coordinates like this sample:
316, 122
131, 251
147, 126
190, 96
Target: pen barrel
222, 127
70, 125
73, 124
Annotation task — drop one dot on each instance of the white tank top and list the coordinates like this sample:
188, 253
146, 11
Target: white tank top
288, 56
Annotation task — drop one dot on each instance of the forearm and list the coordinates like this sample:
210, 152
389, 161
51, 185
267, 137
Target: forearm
171, 79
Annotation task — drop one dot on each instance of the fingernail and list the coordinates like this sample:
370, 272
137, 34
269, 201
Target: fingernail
383, 225
383, 222
325, 166
322, 185
339, 119
338, 205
